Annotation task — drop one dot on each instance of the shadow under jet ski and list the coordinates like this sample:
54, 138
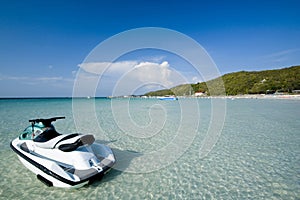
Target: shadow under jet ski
105, 141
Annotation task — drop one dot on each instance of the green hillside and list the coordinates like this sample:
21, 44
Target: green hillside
243, 82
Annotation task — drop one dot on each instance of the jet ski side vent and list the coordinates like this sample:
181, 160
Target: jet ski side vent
24, 147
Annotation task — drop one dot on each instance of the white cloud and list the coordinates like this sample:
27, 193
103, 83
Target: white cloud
153, 72
37, 85
34, 80
143, 71
126, 77
196, 79
160, 73
281, 55
107, 67
58, 78
146, 76
6, 77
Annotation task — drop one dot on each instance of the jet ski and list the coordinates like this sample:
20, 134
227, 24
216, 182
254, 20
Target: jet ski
62, 160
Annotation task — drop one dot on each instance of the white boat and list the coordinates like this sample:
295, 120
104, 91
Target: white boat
61, 160
172, 98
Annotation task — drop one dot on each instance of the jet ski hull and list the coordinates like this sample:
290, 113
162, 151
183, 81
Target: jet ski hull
59, 174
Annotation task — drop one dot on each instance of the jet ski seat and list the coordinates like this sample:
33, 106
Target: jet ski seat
67, 142
50, 144
73, 143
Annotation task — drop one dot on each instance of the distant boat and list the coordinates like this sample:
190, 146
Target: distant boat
170, 98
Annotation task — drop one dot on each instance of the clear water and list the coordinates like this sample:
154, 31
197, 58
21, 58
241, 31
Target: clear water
256, 156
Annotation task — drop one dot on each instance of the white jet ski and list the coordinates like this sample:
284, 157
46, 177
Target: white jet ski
61, 160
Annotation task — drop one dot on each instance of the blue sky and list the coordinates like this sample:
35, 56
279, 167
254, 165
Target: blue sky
42, 43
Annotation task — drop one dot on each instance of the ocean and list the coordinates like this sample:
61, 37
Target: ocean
193, 148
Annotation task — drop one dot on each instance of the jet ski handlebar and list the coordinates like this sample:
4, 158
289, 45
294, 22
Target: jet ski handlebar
46, 122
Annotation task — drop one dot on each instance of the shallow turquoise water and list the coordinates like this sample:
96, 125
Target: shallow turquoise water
256, 156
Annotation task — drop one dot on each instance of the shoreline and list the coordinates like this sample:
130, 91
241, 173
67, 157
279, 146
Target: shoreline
252, 96
232, 97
